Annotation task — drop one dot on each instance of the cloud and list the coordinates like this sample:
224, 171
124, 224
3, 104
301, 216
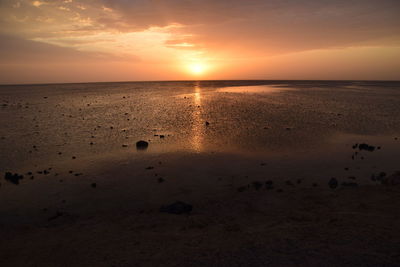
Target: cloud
18, 50
263, 27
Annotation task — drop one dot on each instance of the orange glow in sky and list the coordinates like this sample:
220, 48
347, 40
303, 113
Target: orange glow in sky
103, 40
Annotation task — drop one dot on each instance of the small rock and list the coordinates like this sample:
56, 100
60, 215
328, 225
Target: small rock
333, 183
241, 189
349, 184
269, 185
366, 147
93, 185
160, 180
257, 185
13, 178
178, 207
393, 179
142, 145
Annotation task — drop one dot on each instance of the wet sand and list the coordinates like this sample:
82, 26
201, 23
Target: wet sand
256, 165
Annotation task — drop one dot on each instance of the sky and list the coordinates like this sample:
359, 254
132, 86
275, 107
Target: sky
47, 41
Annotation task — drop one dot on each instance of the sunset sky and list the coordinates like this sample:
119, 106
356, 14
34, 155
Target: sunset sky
121, 40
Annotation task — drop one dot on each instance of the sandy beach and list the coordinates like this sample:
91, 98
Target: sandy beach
276, 173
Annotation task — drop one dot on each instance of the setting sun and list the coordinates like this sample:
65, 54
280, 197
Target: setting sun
197, 68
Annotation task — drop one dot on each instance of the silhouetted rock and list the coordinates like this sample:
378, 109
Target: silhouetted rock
241, 189
142, 145
333, 183
366, 147
349, 184
13, 178
269, 185
160, 180
178, 207
257, 185
207, 123
94, 185
393, 179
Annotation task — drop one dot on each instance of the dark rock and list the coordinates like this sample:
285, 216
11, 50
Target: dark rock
178, 207
333, 183
349, 184
269, 185
289, 183
160, 180
149, 168
142, 145
241, 189
393, 179
257, 185
366, 147
13, 178
207, 123
94, 185
58, 214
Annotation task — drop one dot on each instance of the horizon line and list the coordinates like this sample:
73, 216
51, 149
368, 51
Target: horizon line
205, 80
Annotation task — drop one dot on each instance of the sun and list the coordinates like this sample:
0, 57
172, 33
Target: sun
197, 68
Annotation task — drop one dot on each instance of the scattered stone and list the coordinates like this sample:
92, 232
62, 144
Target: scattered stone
366, 147
393, 179
241, 189
161, 180
58, 214
150, 168
289, 183
13, 178
162, 136
178, 207
142, 145
124, 145
207, 123
73, 157
333, 183
349, 184
94, 185
269, 185
257, 185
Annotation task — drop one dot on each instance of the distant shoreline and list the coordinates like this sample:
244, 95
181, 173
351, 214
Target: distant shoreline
172, 81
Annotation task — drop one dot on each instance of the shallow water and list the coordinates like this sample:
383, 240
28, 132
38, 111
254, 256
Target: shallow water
256, 130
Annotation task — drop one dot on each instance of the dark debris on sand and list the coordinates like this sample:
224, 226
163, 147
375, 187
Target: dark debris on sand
178, 207
13, 178
142, 145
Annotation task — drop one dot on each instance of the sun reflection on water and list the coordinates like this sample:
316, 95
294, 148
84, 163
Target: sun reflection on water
197, 121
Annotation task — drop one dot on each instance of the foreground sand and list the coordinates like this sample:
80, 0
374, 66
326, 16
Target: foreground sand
89, 198
296, 227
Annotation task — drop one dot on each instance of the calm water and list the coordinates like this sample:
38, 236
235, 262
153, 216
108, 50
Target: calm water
244, 117
257, 130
